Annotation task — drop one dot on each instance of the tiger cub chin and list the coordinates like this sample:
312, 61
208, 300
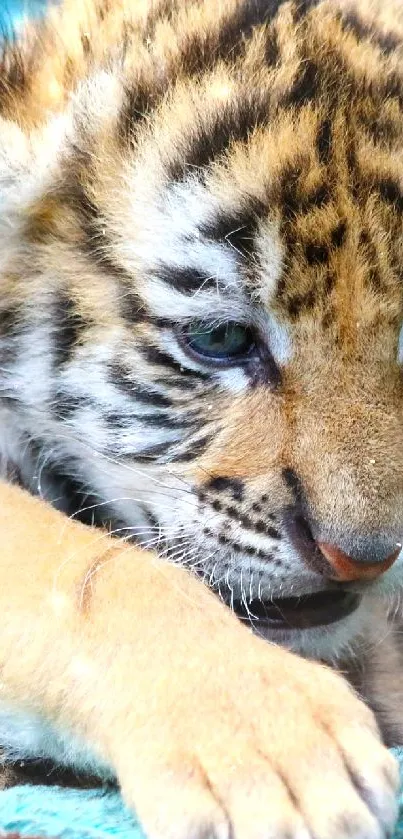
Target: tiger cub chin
201, 347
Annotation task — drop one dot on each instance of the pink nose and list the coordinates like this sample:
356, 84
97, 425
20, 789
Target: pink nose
346, 568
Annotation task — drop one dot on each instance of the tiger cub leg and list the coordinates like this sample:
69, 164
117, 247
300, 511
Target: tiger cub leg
211, 731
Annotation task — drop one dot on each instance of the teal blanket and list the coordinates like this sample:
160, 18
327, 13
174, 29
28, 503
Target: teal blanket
82, 814
13, 13
65, 814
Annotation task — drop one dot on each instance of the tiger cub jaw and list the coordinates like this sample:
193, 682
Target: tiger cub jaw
282, 593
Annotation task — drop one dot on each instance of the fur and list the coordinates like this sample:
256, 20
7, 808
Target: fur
161, 164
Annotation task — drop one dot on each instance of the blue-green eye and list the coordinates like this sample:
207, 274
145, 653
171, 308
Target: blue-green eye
230, 342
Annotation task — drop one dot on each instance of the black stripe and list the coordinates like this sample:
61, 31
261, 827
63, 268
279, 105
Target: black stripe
303, 7
329, 282
95, 242
162, 323
390, 192
382, 129
199, 52
131, 307
305, 86
375, 279
197, 447
14, 68
301, 303
64, 405
72, 496
102, 8
114, 419
370, 252
10, 320
272, 50
157, 12
338, 234
186, 280
170, 422
234, 121
328, 317
248, 523
324, 141
295, 484
391, 88
122, 379
146, 396
204, 49
85, 45
139, 100
268, 529
152, 519
353, 168
237, 228
388, 189
316, 253
387, 42
221, 484
246, 17
68, 328
154, 355
291, 196
151, 453
238, 548
186, 382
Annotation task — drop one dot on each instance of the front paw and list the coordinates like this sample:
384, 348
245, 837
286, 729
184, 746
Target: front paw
268, 747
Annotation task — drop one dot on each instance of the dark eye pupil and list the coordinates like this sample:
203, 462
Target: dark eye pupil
228, 341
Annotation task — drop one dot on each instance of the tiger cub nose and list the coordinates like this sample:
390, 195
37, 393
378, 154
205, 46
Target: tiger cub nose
345, 567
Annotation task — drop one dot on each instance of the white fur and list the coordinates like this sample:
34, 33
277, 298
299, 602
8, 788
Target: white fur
26, 735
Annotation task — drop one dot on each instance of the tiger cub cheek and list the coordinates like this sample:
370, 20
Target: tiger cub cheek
251, 442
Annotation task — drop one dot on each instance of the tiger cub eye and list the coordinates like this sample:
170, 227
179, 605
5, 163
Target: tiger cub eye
228, 342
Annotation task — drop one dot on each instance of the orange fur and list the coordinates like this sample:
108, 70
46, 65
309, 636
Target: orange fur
210, 730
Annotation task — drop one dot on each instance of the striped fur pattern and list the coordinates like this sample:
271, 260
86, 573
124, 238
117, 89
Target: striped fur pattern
162, 162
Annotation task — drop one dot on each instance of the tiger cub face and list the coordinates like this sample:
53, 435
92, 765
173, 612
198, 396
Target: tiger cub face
201, 252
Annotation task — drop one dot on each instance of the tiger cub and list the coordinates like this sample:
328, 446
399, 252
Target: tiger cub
201, 309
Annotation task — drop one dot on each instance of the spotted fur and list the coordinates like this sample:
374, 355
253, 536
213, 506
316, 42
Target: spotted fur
242, 161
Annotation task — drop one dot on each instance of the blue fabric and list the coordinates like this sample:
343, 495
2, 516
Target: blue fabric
12, 12
66, 814
84, 814
399, 827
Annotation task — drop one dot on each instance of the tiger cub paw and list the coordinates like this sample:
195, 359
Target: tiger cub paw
269, 747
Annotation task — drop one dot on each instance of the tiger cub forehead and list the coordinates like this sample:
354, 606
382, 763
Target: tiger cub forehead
248, 155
